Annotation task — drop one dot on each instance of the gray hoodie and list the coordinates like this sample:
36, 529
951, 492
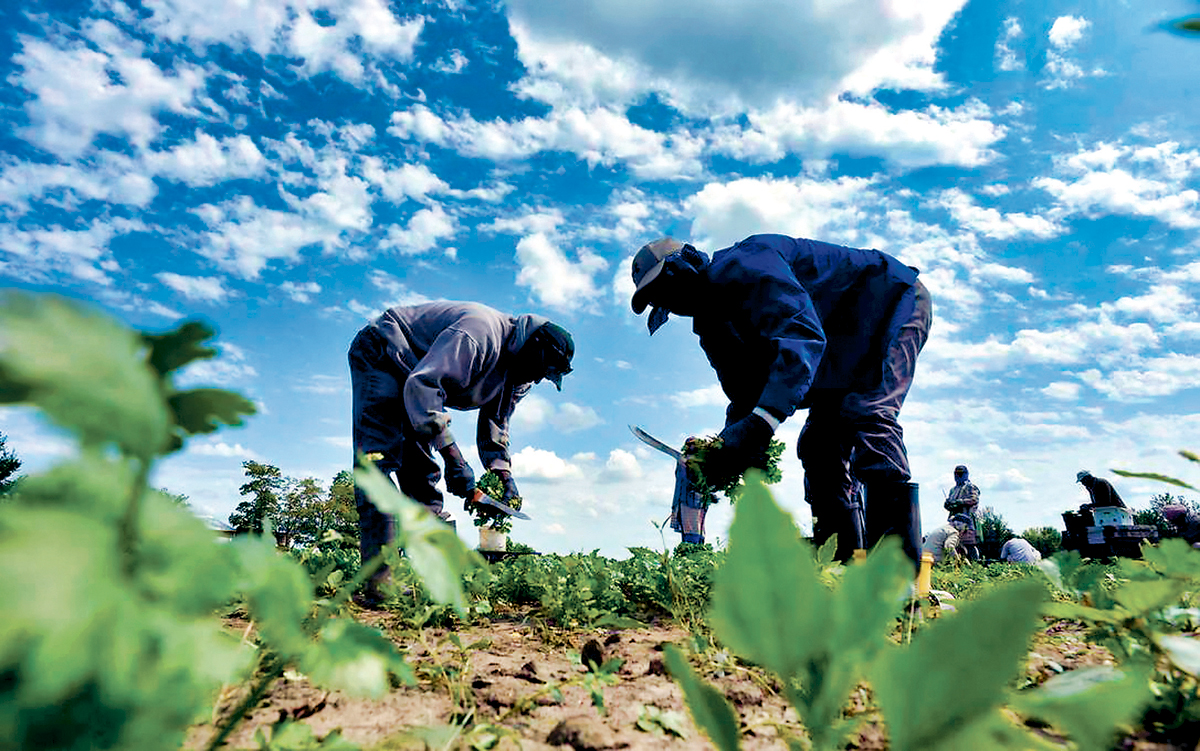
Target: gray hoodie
457, 356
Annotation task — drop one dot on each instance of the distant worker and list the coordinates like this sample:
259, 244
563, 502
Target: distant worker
1101, 491
412, 364
943, 542
1185, 521
787, 324
1019, 550
964, 499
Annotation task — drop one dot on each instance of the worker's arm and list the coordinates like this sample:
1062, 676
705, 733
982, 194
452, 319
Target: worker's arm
451, 363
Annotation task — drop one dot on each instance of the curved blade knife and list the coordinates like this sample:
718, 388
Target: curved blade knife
653, 442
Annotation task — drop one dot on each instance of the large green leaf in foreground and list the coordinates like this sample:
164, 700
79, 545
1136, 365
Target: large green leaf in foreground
84, 370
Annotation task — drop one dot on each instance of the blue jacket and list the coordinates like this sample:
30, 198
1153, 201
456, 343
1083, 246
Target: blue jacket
786, 317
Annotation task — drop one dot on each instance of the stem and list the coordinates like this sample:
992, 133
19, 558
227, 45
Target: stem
254, 697
127, 528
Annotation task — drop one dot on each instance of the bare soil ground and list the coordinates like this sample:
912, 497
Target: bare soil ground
503, 688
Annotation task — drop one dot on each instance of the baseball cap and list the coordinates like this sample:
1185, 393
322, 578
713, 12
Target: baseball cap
648, 264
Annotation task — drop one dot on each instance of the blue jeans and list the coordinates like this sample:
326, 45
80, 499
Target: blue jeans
852, 436
381, 425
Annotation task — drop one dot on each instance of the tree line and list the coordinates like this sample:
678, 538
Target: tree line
298, 511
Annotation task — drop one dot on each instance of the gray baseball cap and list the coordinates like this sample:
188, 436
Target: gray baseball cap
648, 264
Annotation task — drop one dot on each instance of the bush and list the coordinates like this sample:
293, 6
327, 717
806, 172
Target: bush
1047, 540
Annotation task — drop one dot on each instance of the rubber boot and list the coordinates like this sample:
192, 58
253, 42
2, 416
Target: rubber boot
893, 508
693, 538
840, 521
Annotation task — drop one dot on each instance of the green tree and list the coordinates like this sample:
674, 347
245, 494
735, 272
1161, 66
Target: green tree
1047, 540
345, 510
304, 513
993, 531
178, 498
266, 484
9, 464
1153, 517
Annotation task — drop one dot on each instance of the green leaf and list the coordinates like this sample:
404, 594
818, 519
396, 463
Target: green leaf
768, 604
1183, 651
985, 641
176, 348
352, 657
711, 711
1089, 704
1144, 597
205, 410
1074, 612
1153, 476
651, 719
84, 370
435, 552
278, 592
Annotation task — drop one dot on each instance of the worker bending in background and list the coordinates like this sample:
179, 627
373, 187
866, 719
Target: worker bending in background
789, 323
411, 365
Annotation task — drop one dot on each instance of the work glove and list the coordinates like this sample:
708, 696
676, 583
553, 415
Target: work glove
460, 480
743, 445
510, 486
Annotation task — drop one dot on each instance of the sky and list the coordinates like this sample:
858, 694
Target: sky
287, 169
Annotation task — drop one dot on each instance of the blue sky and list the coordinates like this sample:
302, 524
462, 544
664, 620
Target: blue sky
286, 170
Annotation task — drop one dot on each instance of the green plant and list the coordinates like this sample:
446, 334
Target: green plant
484, 515
109, 636
822, 636
1047, 540
697, 452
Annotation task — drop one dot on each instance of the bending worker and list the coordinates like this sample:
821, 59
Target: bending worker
411, 364
1101, 493
789, 323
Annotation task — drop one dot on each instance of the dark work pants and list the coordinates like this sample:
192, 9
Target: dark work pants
381, 425
852, 436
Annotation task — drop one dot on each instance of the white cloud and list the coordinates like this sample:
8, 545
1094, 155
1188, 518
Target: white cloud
456, 62
396, 291
992, 223
229, 368
415, 181
620, 466
1065, 390
534, 465
572, 418
723, 213
1119, 179
78, 91
1006, 57
618, 48
107, 176
244, 237
597, 136
44, 253
554, 279
203, 288
302, 292
708, 396
425, 229
222, 449
1061, 71
1067, 30
207, 161
1153, 377
352, 32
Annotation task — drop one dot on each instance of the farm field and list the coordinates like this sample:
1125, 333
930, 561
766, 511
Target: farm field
491, 685
126, 624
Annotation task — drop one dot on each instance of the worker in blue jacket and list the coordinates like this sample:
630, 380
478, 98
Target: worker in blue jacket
787, 324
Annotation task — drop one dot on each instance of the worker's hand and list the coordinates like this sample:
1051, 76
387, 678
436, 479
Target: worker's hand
510, 486
460, 480
743, 445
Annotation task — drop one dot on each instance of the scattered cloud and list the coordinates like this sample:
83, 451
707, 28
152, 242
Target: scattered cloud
196, 288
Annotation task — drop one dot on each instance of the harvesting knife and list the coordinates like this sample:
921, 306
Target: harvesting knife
653, 442
484, 499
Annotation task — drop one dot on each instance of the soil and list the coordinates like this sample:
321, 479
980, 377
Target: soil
503, 688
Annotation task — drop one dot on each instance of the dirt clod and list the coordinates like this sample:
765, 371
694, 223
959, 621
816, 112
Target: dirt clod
582, 733
592, 655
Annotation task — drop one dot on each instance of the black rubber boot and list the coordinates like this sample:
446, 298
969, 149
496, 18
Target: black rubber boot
893, 508
840, 521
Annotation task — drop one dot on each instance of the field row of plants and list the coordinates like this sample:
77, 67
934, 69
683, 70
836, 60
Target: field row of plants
115, 630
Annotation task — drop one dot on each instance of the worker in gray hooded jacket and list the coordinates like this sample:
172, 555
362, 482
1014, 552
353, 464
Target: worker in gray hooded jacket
412, 364
789, 323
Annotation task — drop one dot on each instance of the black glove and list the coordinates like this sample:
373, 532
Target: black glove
510, 486
743, 445
460, 480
